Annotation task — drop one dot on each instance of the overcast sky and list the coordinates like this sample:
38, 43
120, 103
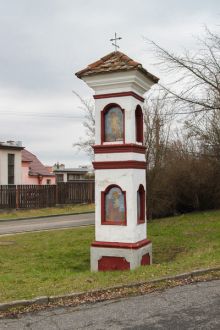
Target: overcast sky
44, 42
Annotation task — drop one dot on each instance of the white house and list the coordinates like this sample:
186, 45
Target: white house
64, 174
10, 163
19, 166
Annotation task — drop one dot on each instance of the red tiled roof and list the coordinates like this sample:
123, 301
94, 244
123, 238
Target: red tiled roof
27, 156
35, 167
114, 62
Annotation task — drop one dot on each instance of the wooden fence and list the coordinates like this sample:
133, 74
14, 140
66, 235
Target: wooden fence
39, 196
76, 192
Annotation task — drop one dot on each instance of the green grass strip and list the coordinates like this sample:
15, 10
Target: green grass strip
58, 262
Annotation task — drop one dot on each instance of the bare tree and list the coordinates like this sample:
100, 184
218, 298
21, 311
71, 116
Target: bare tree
183, 171
206, 134
196, 87
86, 143
158, 118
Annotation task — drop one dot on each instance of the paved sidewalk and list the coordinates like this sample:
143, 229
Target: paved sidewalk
57, 222
194, 306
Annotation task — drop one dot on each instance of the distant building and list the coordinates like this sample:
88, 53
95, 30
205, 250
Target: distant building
70, 174
10, 162
34, 172
19, 166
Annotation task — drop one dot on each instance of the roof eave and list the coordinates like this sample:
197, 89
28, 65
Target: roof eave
69, 171
40, 174
11, 147
148, 75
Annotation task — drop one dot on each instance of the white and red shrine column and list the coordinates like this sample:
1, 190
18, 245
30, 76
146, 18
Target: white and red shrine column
120, 180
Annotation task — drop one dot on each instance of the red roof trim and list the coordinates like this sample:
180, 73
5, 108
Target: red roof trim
121, 94
119, 165
119, 245
117, 148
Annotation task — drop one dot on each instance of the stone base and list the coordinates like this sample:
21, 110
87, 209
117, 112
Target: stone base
107, 256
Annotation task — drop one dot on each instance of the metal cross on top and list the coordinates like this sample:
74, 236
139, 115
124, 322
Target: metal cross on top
115, 41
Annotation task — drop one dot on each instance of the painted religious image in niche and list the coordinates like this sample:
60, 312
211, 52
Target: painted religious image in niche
115, 205
114, 125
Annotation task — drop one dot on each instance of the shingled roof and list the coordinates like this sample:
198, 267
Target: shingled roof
35, 167
114, 62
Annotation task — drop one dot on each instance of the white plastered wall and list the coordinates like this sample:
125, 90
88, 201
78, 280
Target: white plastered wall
118, 82
123, 156
4, 166
129, 181
129, 104
132, 256
64, 177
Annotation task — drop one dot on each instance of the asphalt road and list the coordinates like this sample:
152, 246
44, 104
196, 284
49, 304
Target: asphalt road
195, 306
28, 225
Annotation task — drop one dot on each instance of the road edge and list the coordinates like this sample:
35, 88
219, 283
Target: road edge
51, 300
47, 216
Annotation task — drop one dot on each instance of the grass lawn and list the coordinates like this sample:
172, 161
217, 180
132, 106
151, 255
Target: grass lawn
67, 209
57, 262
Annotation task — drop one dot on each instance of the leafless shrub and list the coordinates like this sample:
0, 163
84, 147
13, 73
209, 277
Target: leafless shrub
86, 143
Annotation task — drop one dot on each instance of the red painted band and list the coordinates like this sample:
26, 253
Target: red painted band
145, 260
114, 223
116, 148
119, 164
142, 198
117, 245
109, 95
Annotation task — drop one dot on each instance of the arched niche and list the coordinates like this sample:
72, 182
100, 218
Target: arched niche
113, 206
141, 204
139, 124
112, 124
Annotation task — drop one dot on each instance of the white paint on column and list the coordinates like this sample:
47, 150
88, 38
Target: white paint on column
119, 156
129, 181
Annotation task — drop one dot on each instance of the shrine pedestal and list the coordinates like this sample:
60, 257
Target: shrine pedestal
120, 256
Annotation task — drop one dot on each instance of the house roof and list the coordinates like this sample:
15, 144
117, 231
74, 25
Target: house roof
11, 145
72, 170
114, 62
35, 167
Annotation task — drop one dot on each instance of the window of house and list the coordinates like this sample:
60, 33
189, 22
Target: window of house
141, 204
139, 124
72, 177
112, 124
11, 168
59, 177
48, 181
113, 206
